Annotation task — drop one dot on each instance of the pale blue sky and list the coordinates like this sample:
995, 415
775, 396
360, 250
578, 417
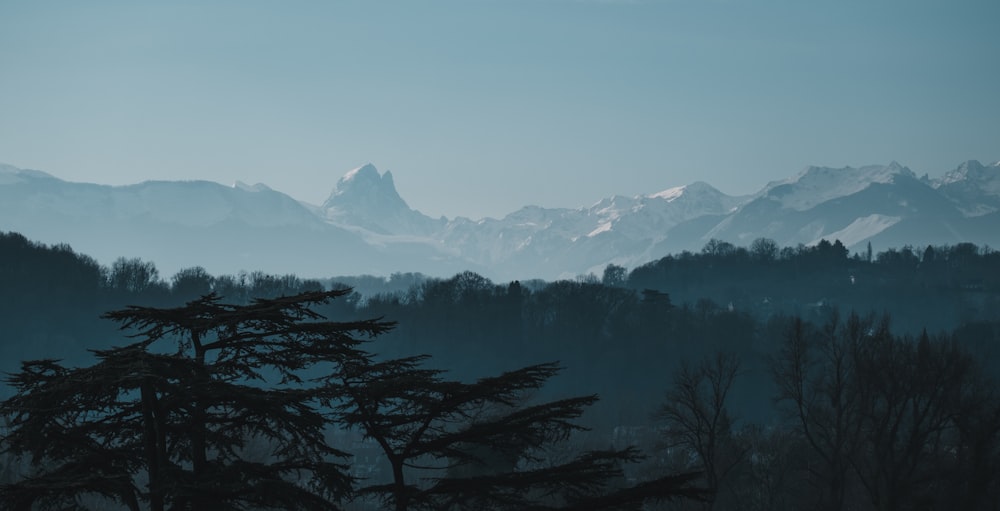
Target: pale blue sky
481, 106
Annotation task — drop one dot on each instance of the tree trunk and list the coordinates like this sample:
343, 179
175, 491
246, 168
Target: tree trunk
151, 436
401, 496
199, 449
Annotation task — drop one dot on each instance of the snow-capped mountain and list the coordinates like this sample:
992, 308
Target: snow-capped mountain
816, 185
369, 200
972, 187
542, 241
821, 202
180, 224
566, 242
365, 226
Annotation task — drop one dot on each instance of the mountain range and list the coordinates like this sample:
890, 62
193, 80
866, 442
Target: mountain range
365, 226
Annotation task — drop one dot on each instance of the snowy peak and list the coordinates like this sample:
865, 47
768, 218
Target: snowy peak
366, 182
973, 187
366, 171
895, 167
974, 172
365, 190
867, 174
367, 199
649, 217
680, 202
816, 185
698, 190
366, 221
669, 194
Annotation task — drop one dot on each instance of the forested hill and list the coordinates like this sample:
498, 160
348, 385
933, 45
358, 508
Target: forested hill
614, 332
933, 287
766, 338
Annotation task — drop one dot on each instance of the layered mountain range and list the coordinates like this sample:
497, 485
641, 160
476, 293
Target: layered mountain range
365, 226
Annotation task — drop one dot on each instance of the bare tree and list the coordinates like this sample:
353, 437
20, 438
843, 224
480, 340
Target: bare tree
911, 394
698, 421
889, 418
814, 373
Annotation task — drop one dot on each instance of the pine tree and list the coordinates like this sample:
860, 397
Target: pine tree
171, 427
218, 406
479, 445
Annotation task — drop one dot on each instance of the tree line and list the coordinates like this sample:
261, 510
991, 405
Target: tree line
732, 362
867, 420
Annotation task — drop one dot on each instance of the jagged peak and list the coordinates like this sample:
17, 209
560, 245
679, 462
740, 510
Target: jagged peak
366, 171
970, 170
366, 179
367, 199
364, 188
969, 166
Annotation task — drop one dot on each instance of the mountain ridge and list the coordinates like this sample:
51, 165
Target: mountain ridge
365, 226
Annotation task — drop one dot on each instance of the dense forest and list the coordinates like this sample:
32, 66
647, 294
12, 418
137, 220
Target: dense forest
787, 377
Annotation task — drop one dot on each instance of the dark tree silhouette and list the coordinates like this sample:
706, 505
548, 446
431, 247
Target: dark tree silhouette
698, 419
764, 250
814, 372
894, 418
614, 276
223, 406
911, 394
455, 445
133, 275
171, 427
190, 283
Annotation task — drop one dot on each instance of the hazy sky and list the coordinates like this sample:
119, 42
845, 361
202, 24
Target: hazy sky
482, 106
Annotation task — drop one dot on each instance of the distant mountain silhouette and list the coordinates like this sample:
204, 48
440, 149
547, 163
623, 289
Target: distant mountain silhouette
365, 226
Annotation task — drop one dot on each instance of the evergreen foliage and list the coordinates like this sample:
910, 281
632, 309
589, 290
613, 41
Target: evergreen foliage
479, 445
889, 419
171, 428
168, 421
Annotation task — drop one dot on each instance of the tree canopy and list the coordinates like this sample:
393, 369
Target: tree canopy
226, 406
168, 420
